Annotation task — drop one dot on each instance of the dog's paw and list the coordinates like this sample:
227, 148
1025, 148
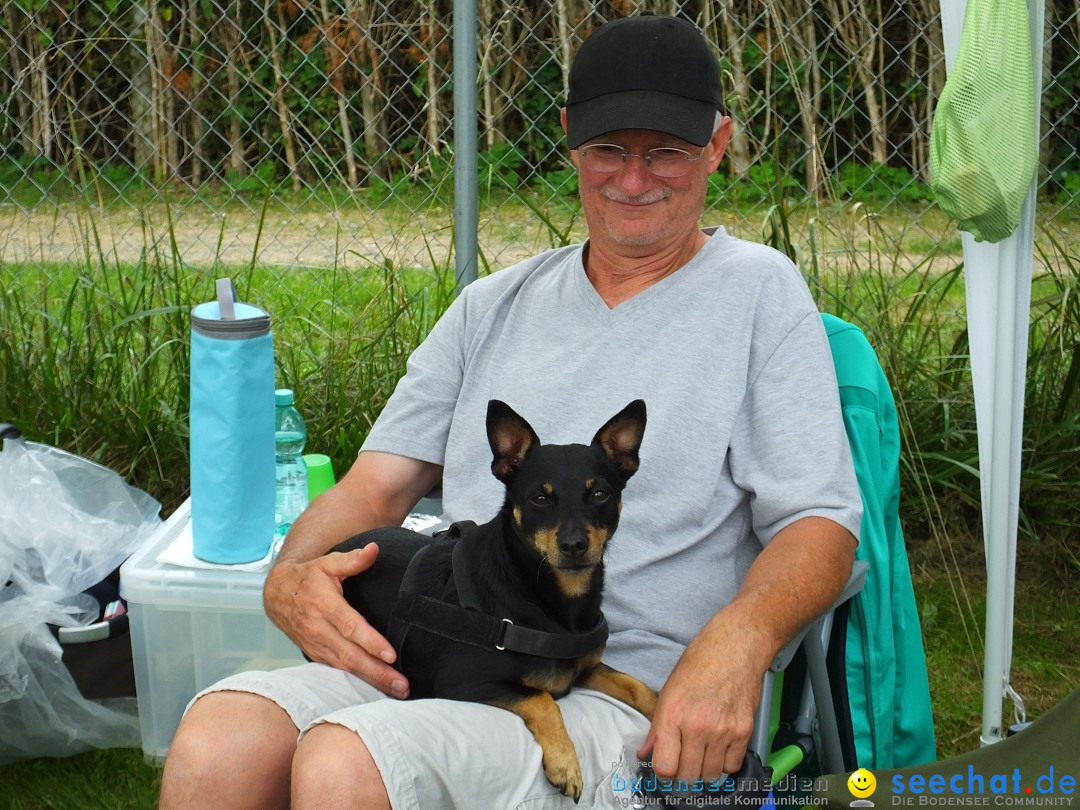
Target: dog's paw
564, 772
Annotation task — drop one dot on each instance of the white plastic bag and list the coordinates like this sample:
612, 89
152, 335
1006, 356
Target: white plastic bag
65, 524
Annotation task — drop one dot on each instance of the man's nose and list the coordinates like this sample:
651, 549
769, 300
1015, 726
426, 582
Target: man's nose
634, 172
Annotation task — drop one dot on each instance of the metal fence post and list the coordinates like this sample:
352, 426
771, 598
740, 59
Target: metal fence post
466, 217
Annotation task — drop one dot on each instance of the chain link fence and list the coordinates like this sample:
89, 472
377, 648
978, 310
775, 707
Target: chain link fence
320, 134
306, 148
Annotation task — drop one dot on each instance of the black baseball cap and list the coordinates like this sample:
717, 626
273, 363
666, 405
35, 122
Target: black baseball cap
644, 72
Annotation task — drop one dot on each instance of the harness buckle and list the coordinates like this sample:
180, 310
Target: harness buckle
502, 634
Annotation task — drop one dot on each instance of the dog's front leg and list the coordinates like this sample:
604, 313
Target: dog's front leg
544, 719
620, 686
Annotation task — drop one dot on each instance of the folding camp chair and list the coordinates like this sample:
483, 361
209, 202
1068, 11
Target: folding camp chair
855, 692
884, 667
803, 711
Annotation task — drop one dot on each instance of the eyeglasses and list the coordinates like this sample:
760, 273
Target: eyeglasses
663, 161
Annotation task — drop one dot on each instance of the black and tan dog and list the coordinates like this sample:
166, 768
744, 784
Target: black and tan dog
508, 613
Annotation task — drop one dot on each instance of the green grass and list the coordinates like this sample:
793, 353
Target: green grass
118, 779
950, 587
95, 358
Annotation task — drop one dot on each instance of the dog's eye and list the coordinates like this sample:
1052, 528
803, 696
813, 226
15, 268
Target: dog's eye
540, 500
600, 496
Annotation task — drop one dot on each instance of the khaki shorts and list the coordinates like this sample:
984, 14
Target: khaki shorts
436, 754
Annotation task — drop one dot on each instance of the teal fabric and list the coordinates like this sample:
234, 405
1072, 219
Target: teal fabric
887, 683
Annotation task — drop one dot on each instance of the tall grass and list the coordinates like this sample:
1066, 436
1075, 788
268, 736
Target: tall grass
94, 356
911, 306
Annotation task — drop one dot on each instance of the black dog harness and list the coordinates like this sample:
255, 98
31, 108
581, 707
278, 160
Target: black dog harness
468, 624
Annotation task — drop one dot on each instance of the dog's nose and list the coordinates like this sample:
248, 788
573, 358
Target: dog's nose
573, 547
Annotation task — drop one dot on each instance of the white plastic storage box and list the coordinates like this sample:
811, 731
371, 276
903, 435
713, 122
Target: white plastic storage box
190, 628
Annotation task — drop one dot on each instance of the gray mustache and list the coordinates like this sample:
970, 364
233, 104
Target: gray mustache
639, 199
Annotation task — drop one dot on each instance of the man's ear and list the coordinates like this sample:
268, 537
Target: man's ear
620, 438
510, 437
718, 143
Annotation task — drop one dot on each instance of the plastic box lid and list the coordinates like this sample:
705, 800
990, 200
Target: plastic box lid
145, 580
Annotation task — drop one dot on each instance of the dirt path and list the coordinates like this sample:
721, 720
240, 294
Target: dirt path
207, 234
204, 237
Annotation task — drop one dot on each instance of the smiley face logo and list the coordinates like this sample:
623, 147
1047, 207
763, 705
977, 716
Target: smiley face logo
862, 784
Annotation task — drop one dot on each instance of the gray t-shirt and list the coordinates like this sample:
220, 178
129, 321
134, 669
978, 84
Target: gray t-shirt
744, 431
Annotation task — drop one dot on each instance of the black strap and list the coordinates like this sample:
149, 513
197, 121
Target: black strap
468, 593
470, 626
487, 632
9, 431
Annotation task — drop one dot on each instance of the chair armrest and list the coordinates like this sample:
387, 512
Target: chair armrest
854, 585
816, 701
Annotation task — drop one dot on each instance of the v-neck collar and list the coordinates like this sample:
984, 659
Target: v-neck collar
605, 315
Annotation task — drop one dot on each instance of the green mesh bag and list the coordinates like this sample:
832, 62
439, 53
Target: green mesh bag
983, 142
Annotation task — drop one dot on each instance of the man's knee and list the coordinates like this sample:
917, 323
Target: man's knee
228, 739
334, 768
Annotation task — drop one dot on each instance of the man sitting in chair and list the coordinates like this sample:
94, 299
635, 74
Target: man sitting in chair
739, 528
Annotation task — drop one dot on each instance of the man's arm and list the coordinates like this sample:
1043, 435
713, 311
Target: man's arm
303, 593
705, 713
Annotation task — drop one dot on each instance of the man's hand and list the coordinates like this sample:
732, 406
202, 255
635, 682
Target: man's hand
305, 600
705, 712
303, 594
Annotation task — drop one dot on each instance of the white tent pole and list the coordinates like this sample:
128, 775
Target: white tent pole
998, 290
999, 533
1011, 342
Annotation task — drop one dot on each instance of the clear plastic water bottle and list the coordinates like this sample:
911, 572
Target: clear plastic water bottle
290, 435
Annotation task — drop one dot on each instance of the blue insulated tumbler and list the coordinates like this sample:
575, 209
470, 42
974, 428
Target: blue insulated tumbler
232, 430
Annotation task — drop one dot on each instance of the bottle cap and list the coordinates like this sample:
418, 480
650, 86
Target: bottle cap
283, 396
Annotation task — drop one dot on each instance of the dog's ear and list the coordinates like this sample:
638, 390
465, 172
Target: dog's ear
511, 438
621, 437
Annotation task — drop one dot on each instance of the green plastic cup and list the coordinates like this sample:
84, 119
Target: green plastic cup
320, 474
